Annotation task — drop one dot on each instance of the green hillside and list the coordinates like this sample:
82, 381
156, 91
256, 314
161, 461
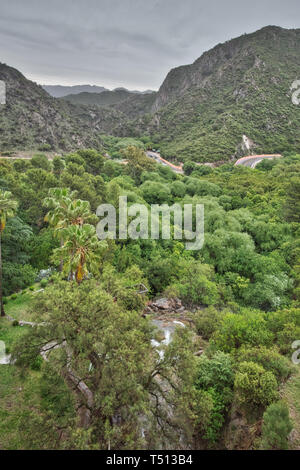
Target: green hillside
32, 119
238, 88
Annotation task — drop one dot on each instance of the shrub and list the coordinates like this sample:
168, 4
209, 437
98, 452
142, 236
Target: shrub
210, 413
286, 336
15, 323
44, 147
207, 321
196, 285
4, 299
41, 161
43, 283
216, 372
31, 288
178, 189
155, 192
36, 364
268, 358
248, 328
254, 385
17, 276
13, 296
276, 427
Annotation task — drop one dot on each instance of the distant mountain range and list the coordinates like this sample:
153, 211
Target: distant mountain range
59, 91
108, 98
239, 91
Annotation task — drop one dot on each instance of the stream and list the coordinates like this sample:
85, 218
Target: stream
167, 328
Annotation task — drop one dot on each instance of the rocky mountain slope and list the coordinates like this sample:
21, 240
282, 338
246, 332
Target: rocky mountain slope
242, 87
32, 119
236, 99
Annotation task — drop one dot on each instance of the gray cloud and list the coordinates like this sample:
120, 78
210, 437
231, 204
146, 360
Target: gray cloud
131, 43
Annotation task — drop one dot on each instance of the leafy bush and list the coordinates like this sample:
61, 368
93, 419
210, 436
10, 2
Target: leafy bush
178, 189
17, 276
44, 283
195, 285
155, 192
246, 328
268, 358
254, 385
41, 161
214, 382
36, 363
207, 321
276, 427
216, 372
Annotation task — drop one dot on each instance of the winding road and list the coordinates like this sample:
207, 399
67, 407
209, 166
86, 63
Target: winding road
156, 156
253, 160
250, 161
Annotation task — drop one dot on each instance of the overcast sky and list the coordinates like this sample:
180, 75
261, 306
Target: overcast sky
131, 43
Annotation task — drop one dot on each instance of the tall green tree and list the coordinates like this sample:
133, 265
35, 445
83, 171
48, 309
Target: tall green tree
81, 252
8, 207
126, 396
66, 211
137, 162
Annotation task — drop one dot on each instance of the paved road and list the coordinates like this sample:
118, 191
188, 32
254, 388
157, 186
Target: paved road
156, 156
250, 161
253, 160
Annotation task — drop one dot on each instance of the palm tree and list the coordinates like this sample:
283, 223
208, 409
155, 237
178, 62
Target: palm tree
65, 211
57, 201
7, 209
81, 252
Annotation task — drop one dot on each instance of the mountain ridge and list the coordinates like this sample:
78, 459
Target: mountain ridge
32, 118
241, 87
105, 98
201, 112
60, 91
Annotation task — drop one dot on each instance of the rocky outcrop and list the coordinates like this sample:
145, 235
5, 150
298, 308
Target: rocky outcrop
165, 305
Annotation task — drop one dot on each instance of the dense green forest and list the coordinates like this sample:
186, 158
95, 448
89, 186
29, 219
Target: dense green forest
226, 380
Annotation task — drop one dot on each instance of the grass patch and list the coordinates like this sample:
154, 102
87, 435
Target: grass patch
20, 308
14, 388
